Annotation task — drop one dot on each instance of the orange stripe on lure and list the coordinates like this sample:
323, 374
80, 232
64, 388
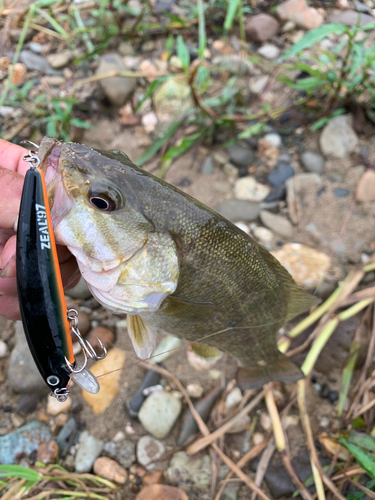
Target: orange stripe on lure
45, 318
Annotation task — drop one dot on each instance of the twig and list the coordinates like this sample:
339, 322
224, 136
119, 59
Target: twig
368, 492
95, 78
204, 430
263, 465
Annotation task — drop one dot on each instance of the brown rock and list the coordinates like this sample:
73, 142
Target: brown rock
104, 334
366, 187
109, 469
154, 478
351, 18
300, 13
261, 28
19, 72
161, 492
48, 452
83, 323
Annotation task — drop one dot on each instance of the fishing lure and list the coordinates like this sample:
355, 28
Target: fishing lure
46, 321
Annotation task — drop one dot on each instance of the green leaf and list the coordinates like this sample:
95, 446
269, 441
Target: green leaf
20, 472
367, 27
254, 129
231, 13
80, 123
203, 76
201, 29
314, 36
363, 440
183, 53
51, 129
364, 458
313, 72
309, 84
185, 145
319, 124
160, 142
151, 89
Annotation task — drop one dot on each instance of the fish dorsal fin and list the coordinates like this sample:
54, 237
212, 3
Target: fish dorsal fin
207, 352
141, 335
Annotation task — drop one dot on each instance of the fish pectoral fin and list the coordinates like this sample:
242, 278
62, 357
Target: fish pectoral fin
300, 302
282, 370
206, 351
141, 335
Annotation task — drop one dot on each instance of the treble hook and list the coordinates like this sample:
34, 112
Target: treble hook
87, 348
30, 142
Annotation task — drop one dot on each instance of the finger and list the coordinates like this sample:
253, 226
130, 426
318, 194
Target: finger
11, 157
8, 286
10, 195
9, 307
8, 259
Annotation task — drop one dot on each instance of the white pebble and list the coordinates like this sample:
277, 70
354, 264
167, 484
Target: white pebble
273, 139
234, 398
265, 421
194, 390
258, 438
3, 349
324, 422
243, 227
263, 235
119, 436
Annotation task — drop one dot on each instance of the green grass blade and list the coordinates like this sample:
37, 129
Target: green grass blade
347, 375
363, 440
231, 14
183, 53
54, 24
201, 29
364, 458
185, 145
20, 472
159, 143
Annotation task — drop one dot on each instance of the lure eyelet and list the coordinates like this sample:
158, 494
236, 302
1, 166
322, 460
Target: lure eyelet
53, 380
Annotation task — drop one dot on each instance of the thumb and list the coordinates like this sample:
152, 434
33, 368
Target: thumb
10, 196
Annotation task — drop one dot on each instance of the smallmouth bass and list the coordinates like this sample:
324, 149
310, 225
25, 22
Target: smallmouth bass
172, 264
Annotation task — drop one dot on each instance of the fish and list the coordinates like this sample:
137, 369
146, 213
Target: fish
172, 264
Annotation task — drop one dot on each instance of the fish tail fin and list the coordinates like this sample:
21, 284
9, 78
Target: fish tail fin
282, 370
300, 302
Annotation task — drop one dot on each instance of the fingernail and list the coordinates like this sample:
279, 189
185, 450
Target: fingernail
4, 273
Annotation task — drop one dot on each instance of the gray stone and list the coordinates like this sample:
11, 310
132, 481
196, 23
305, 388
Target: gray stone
269, 51
159, 412
122, 451
278, 224
274, 139
280, 174
80, 291
36, 47
234, 64
239, 210
208, 166
350, 18
313, 162
23, 441
126, 49
247, 188
23, 375
55, 80
149, 450
261, 27
338, 138
240, 156
340, 192
89, 449
60, 59
67, 436
258, 84
192, 474
118, 89
36, 62
298, 184
361, 7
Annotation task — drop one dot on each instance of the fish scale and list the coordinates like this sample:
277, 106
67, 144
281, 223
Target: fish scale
228, 291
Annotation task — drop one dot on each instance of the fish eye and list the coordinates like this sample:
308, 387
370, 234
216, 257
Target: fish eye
104, 199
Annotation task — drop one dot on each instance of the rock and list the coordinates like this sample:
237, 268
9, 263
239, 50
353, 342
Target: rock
36, 47
366, 187
83, 323
277, 193
280, 174
151, 379
350, 18
172, 96
208, 166
269, 51
274, 139
166, 348
297, 185
340, 192
48, 452
67, 435
19, 73
194, 390
300, 13
333, 396
80, 291
324, 391
313, 162
23, 441
3, 349
54, 407
234, 64
261, 28
23, 375
118, 89
159, 412
149, 122
126, 49
161, 492
54, 80
105, 335
265, 421
89, 448
338, 138
258, 438
231, 170
149, 450
307, 265
192, 474
278, 224
36, 63
247, 188
361, 7
109, 385
233, 398
109, 469
239, 210
263, 235
123, 451
7, 111
60, 59
243, 227
240, 425
240, 156
258, 84
153, 478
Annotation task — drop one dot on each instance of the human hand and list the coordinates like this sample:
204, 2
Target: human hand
12, 171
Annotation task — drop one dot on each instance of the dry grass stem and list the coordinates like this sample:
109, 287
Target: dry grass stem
263, 465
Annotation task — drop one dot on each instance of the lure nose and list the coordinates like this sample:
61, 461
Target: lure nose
87, 381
